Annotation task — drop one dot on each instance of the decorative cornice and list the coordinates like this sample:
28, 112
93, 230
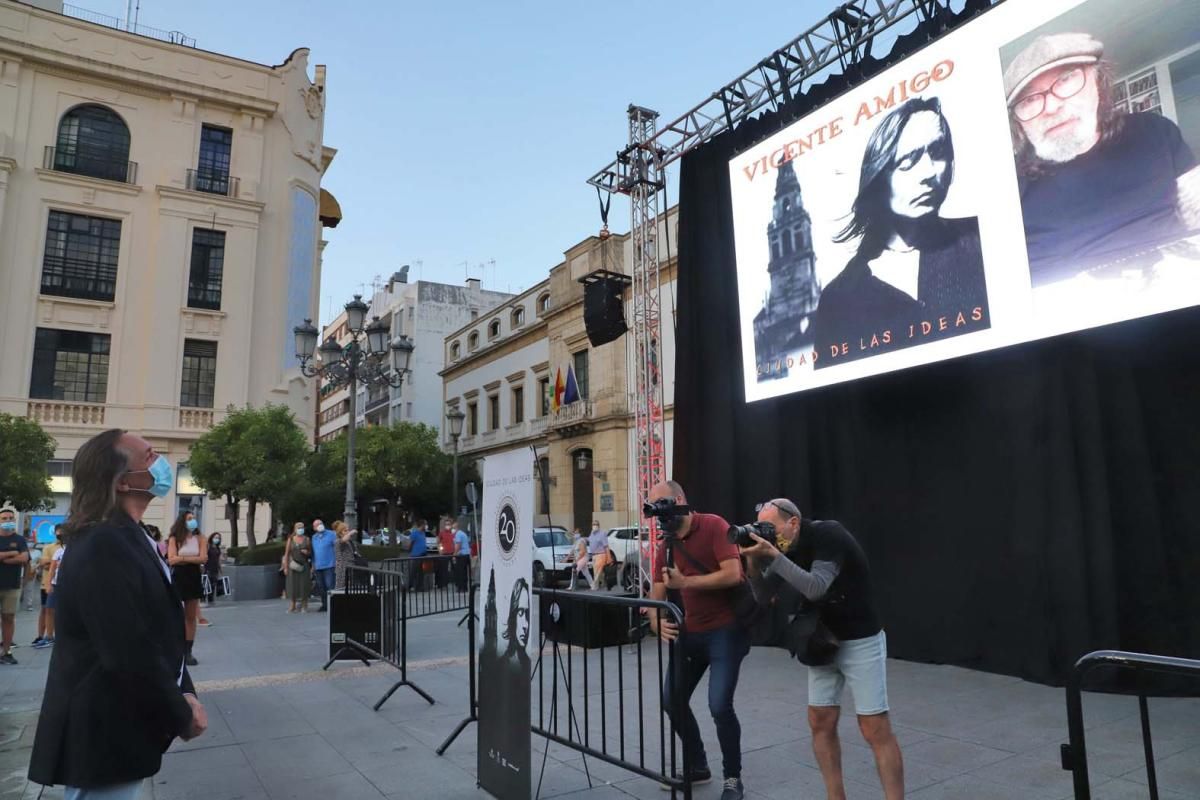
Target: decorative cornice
253, 206
7, 164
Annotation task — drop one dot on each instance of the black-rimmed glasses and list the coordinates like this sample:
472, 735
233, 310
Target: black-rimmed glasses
1069, 84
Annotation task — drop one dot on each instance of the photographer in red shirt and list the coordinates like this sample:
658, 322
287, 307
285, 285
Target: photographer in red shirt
699, 563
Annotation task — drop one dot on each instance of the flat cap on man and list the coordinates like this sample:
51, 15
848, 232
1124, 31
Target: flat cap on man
1046, 53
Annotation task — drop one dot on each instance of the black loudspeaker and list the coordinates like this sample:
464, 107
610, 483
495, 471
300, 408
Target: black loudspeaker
603, 311
356, 616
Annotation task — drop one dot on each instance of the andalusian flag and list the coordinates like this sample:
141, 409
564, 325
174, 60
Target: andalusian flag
571, 395
559, 387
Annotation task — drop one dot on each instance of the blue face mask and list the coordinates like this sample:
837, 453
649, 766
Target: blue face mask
192, 524
164, 479
8, 526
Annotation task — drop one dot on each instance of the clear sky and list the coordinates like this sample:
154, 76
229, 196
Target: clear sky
466, 130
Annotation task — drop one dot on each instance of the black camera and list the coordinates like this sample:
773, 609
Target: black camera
663, 508
740, 534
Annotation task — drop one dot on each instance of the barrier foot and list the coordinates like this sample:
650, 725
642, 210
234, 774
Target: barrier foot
469, 615
338, 655
462, 726
407, 683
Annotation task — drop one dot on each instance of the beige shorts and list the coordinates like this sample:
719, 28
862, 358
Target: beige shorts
10, 601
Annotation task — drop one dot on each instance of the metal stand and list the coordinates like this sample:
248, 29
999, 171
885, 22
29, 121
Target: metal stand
473, 716
404, 681
573, 720
343, 649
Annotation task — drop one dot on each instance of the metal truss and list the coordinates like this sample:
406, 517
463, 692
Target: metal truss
844, 38
646, 188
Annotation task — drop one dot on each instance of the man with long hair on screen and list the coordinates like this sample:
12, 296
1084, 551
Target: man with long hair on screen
916, 276
1101, 190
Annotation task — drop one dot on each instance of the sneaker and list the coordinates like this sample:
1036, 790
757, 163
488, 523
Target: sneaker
699, 775
8, 659
43, 644
35, 642
734, 790
202, 622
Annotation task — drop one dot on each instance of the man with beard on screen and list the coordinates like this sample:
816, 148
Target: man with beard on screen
1101, 190
916, 276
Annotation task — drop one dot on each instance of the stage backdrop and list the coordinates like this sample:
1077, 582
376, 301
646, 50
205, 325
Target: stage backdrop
1019, 507
509, 632
907, 221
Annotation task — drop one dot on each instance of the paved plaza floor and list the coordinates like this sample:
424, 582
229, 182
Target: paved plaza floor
282, 729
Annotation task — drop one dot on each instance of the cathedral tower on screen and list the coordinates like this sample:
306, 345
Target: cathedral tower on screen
784, 325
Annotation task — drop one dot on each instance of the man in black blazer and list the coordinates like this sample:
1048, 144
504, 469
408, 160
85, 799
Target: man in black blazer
117, 693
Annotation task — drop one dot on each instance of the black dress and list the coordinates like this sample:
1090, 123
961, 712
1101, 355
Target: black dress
186, 577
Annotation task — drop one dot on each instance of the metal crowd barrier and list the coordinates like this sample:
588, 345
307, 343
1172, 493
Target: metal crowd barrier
1074, 754
599, 685
399, 602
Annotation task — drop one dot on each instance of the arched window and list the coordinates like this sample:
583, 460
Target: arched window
473, 341
94, 141
518, 316
543, 303
455, 351
494, 329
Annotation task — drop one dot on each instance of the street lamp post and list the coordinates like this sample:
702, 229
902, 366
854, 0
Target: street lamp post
363, 359
455, 419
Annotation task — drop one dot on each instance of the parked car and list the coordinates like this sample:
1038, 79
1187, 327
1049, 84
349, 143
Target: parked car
624, 543
551, 555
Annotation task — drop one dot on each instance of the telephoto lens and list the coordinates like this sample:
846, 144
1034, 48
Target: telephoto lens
741, 534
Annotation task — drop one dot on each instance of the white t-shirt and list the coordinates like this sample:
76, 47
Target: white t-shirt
58, 556
899, 268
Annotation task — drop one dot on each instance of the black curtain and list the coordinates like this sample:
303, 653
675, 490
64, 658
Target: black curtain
1019, 508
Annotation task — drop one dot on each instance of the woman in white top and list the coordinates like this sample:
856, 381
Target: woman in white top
186, 552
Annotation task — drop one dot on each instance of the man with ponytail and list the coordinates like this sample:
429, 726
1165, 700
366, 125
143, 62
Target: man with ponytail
118, 691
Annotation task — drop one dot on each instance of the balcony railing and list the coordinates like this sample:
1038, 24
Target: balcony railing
375, 401
61, 159
537, 425
515, 431
195, 419
62, 412
212, 182
171, 37
572, 414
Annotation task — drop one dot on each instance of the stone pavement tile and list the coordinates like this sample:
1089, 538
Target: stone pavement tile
289, 760
969, 787
1039, 731
781, 764
1116, 748
1119, 789
258, 713
326, 786
602, 792
1178, 771
375, 741
229, 782
858, 764
206, 759
417, 774
953, 755
1036, 777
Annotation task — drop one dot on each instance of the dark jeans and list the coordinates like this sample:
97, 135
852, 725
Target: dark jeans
721, 651
324, 580
462, 572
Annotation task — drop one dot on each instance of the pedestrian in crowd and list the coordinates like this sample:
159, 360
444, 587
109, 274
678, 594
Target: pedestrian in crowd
187, 553
324, 561
14, 555
117, 692
446, 548
159, 542
31, 569
420, 544
598, 550
212, 567
343, 553
462, 558
297, 564
45, 634
580, 553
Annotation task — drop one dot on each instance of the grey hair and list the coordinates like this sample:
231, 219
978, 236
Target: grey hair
786, 506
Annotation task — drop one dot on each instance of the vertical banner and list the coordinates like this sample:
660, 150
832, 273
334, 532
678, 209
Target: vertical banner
509, 632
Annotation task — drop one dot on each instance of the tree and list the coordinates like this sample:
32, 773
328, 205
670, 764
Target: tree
24, 450
318, 493
254, 454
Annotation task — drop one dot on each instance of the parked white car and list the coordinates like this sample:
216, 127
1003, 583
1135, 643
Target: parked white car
623, 543
551, 555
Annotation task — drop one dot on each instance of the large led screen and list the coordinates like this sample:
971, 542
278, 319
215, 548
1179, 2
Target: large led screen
1030, 174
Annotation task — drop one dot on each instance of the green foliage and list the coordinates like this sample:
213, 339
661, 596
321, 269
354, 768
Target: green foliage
255, 454
268, 553
318, 493
24, 450
380, 552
